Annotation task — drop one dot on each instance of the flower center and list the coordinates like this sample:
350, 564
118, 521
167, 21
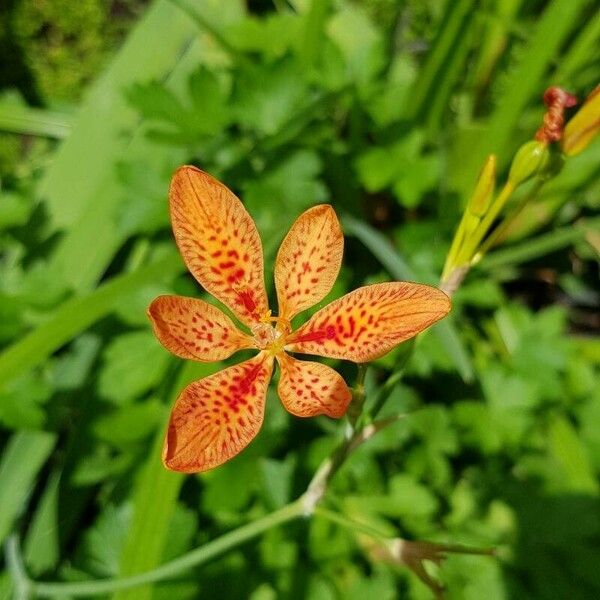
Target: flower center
269, 337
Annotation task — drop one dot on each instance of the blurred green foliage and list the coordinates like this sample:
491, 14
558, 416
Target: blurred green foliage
385, 109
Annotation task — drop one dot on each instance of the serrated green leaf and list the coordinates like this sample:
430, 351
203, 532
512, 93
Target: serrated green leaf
133, 363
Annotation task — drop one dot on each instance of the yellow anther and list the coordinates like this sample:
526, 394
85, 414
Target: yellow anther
282, 325
266, 318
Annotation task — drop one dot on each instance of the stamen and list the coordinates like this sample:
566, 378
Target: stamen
271, 338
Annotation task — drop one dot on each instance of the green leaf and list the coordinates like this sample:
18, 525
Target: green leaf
571, 457
146, 537
512, 400
103, 542
294, 183
406, 498
229, 489
133, 364
24, 455
359, 41
76, 315
129, 423
14, 210
22, 402
277, 481
267, 96
272, 35
71, 370
402, 166
169, 120
42, 544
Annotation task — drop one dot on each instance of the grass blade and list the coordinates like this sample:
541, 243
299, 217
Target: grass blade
559, 19
24, 456
441, 51
155, 497
541, 245
34, 121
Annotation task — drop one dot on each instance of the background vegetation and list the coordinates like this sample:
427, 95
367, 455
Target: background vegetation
387, 110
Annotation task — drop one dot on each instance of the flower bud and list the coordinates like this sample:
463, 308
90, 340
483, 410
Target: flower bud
412, 554
531, 159
484, 190
584, 125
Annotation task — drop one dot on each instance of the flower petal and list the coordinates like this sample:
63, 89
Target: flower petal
308, 260
368, 322
215, 418
307, 388
219, 242
193, 329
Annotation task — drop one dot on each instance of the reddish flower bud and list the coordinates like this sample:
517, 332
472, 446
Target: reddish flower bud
557, 100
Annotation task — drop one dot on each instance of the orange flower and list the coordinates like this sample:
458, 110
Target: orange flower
218, 416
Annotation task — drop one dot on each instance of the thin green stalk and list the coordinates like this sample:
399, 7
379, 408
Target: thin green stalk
303, 506
16, 568
350, 524
472, 243
358, 395
497, 234
457, 241
169, 570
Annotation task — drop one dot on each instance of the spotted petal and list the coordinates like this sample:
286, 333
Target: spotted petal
308, 388
215, 418
219, 242
308, 260
195, 330
368, 322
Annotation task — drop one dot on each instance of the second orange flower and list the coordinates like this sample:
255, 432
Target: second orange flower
216, 417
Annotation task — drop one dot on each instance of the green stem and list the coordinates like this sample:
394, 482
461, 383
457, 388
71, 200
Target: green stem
16, 568
350, 524
454, 247
497, 234
169, 570
358, 396
386, 389
472, 243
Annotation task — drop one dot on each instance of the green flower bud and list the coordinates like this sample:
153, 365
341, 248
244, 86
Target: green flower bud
531, 159
484, 190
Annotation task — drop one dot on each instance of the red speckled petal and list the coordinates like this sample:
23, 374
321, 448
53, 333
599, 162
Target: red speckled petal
307, 388
308, 260
193, 329
368, 322
215, 418
219, 242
